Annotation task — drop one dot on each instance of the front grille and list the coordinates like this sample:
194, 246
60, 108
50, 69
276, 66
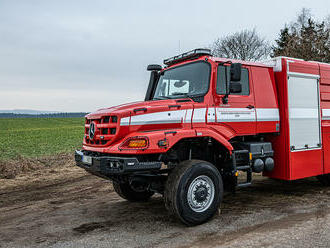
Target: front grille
106, 128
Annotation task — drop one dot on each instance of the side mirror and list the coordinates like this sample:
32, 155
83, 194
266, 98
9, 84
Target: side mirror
235, 72
235, 87
154, 68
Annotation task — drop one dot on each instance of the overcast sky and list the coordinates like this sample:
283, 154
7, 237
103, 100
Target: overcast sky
82, 55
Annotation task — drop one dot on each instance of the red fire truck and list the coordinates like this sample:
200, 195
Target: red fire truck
204, 120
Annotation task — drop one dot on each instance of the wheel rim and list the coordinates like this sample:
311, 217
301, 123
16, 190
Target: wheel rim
200, 194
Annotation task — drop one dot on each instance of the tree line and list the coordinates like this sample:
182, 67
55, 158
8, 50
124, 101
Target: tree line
52, 115
304, 38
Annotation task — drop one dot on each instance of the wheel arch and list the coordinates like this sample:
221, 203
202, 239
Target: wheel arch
204, 145
207, 133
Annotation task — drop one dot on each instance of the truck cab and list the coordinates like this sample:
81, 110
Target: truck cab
204, 121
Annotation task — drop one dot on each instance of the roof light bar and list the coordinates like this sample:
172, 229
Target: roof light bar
191, 54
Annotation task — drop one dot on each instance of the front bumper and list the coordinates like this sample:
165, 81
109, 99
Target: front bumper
109, 165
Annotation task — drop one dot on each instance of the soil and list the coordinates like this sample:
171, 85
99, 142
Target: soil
63, 206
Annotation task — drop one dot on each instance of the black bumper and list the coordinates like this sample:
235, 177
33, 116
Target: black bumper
109, 165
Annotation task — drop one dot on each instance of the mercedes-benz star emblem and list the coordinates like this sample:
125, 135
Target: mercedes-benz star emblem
92, 130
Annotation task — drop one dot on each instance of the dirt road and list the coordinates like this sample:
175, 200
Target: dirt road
66, 207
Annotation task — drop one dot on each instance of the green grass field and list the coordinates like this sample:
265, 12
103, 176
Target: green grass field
37, 137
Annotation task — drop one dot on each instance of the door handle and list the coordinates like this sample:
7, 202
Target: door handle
140, 109
174, 106
250, 106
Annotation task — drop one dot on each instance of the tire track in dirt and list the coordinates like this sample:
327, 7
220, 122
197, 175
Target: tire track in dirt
75, 209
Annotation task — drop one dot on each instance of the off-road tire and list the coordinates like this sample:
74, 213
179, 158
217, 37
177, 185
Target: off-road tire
177, 187
124, 190
324, 179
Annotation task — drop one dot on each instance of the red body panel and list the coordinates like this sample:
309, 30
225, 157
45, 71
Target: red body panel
305, 164
281, 142
325, 104
265, 97
326, 146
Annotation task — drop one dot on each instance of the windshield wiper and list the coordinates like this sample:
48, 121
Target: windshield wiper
174, 96
161, 98
182, 94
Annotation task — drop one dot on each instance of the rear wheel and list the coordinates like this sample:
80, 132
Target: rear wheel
194, 191
126, 191
324, 179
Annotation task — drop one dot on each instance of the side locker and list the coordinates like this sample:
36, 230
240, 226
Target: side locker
298, 147
304, 113
304, 125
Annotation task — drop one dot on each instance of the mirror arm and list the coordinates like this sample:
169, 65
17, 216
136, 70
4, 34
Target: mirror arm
225, 98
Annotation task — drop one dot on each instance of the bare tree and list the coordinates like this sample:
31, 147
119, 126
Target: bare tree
327, 22
244, 45
302, 18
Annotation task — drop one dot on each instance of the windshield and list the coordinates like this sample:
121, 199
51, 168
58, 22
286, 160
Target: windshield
184, 81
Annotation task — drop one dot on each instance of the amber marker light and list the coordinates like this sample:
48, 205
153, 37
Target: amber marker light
137, 143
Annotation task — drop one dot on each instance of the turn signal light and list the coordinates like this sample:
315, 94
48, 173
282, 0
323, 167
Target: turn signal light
138, 143
135, 143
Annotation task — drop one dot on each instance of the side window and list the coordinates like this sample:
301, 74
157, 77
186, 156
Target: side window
221, 81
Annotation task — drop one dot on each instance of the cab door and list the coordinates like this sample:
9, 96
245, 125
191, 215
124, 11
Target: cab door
239, 113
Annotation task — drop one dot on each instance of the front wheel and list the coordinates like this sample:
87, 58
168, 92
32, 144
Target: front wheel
324, 179
194, 191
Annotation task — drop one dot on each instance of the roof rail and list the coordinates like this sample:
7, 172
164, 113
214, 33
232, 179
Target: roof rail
191, 54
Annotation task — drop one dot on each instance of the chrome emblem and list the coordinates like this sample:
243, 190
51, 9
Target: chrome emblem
91, 130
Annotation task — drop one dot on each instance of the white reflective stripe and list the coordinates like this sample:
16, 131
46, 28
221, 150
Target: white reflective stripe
199, 115
159, 118
188, 116
304, 113
326, 114
268, 114
124, 121
235, 115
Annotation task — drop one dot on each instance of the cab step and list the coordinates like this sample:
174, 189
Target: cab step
244, 185
243, 167
240, 160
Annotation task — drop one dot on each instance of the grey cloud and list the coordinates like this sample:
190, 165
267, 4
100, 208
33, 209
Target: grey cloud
106, 45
